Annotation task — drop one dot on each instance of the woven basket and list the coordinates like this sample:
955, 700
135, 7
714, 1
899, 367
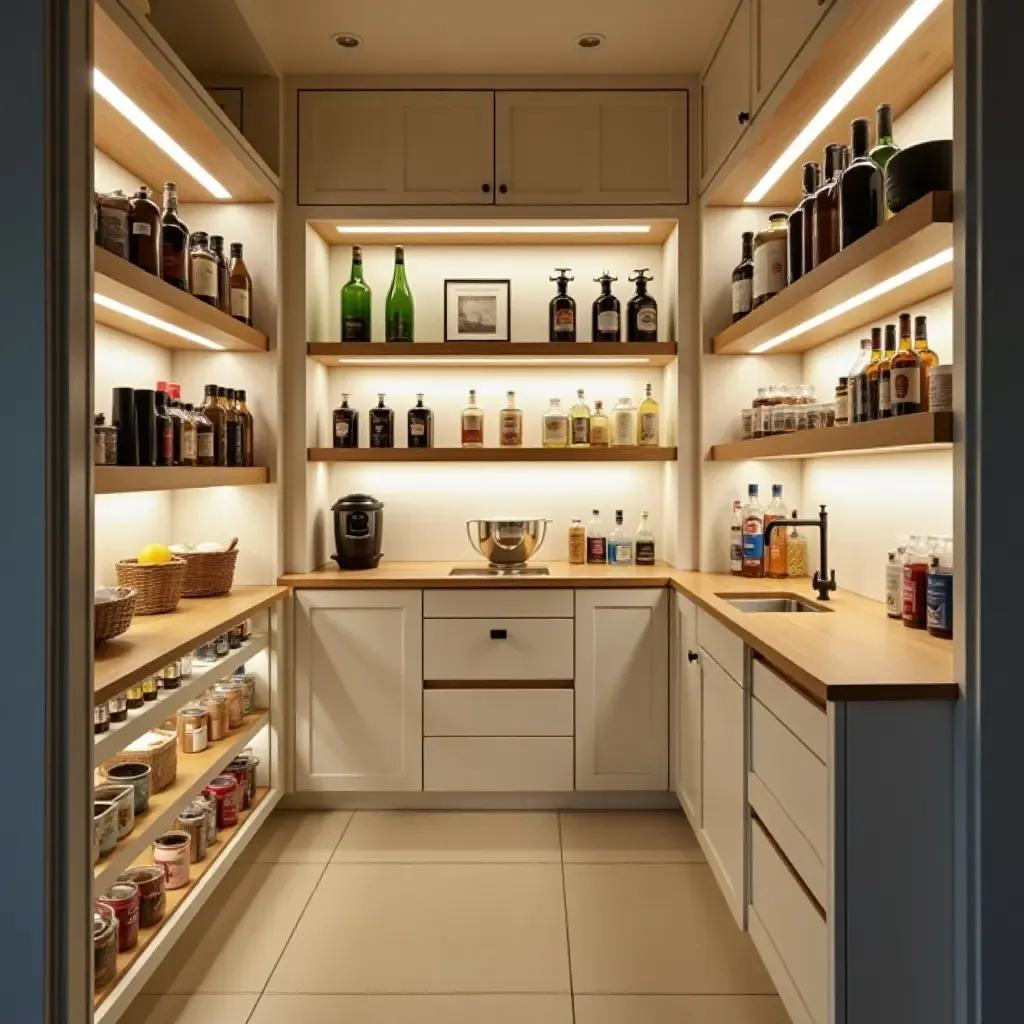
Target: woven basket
112, 618
157, 587
209, 572
161, 755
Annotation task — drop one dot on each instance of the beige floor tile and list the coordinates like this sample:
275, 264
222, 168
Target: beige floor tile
679, 1010
298, 837
430, 928
624, 837
656, 928
421, 1009
209, 1009
236, 939
440, 836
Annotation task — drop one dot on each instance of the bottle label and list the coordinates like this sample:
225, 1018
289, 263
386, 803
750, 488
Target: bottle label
509, 427
399, 328
645, 552
885, 393
341, 429
623, 428
353, 328
597, 551
577, 546
843, 408
188, 446
742, 296
417, 428
380, 436
205, 445
580, 430
736, 549
565, 321
894, 590
906, 385
556, 430
753, 540
141, 228
915, 580
240, 303
648, 428
599, 434
770, 268
204, 277
940, 601
647, 320
620, 552
776, 549
472, 429
608, 321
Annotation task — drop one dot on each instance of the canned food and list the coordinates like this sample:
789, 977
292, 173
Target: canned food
150, 690
252, 762
239, 770
192, 732
123, 795
193, 821
118, 708
104, 944
208, 805
224, 790
216, 708
100, 719
172, 853
131, 773
152, 898
123, 899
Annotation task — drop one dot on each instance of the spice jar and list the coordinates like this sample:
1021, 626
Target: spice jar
235, 637
577, 543
150, 690
112, 211
118, 708
224, 790
842, 402
104, 451
123, 899
216, 708
170, 676
100, 719
193, 821
172, 853
234, 694
134, 697
192, 732
152, 899
248, 680
186, 666
222, 644
104, 944
939, 589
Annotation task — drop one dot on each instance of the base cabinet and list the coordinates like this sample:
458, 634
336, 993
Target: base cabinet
358, 690
686, 721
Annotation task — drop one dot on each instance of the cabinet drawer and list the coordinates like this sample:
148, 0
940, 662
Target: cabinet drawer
509, 604
497, 712
481, 649
797, 712
721, 643
520, 764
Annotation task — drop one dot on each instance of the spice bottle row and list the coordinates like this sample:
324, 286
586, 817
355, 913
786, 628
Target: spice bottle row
919, 584
786, 554
784, 409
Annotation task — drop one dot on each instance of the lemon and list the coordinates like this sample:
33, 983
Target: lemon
155, 554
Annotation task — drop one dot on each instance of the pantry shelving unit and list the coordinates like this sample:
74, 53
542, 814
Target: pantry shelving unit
651, 454
126, 479
492, 353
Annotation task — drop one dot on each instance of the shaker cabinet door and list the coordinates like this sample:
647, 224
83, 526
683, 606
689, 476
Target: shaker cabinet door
687, 717
781, 27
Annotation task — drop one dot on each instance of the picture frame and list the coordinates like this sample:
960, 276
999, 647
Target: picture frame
477, 309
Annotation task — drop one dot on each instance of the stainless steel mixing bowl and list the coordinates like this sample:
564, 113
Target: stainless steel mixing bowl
505, 542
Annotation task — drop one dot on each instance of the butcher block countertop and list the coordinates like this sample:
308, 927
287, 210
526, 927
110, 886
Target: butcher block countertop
853, 651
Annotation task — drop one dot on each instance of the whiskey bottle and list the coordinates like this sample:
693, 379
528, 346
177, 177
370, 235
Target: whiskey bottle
223, 274
346, 425
861, 189
421, 425
177, 414
173, 241
624, 424
800, 220
189, 436
600, 428
510, 424
248, 442
356, 302
885, 374
905, 374
743, 280
240, 284
866, 401
144, 231
770, 259
579, 423
649, 432
398, 307
826, 206
925, 354
643, 542
562, 309
605, 321
205, 435
382, 425
472, 424
555, 426
164, 430
215, 414
202, 269
775, 556
885, 148
753, 534
234, 425
641, 311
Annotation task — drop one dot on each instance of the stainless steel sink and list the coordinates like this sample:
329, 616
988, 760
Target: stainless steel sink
771, 604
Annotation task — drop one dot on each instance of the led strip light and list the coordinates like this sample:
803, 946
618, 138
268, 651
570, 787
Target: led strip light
494, 229
153, 321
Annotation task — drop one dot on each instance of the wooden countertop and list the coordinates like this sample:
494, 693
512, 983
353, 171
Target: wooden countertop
853, 651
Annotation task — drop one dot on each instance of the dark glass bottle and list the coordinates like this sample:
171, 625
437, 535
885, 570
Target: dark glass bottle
145, 425
164, 430
421, 425
861, 189
232, 427
562, 309
606, 319
743, 280
177, 414
885, 374
240, 286
144, 231
206, 435
382, 425
885, 147
356, 300
223, 274
905, 374
202, 269
799, 221
826, 206
641, 311
346, 425
123, 418
248, 444
173, 241
862, 398
871, 374
399, 315
218, 420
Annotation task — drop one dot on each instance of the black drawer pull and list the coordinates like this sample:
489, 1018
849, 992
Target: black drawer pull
499, 634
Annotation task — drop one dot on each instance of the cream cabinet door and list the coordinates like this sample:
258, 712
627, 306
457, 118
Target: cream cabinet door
417, 147
622, 689
725, 95
592, 147
686, 715
780, 29
358, 690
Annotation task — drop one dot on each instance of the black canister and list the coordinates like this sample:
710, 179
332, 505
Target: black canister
358, 531
145, 426
122, 416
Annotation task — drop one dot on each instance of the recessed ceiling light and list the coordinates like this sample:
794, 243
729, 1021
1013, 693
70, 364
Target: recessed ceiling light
493, 229
590, 40
347, 40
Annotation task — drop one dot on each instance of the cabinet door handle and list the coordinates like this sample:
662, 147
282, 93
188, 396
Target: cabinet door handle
691, 656
485, 187
744, 116
499, 634
503, 189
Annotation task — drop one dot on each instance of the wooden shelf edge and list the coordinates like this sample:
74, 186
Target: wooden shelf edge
430, 455
333, 353
129, 479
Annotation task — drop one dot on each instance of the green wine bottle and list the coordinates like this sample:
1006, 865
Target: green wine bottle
398, 310
356, 302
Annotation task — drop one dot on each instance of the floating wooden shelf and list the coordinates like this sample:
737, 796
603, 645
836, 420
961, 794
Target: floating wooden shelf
120, 479
131, 286
492, 454
924, 430
154, 640
495, 353
918, 233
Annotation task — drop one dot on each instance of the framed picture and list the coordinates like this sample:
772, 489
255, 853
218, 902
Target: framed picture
477, 310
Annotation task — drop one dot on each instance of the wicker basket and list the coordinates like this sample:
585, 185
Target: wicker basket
157, 587
209, 572
112, 618
159, 749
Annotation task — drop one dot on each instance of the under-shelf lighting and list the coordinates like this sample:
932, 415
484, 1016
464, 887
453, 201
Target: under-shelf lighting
896, 281
154, 321
886, 47
489, 361
493, 229
128, 109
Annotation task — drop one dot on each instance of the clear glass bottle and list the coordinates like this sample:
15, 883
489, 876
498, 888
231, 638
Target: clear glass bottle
579, 423
753, 534
555, 426
510, 424
736, 539
398, 307
649, 420
860, 364
775, 561
597, 541
796, 552
770, 274
346, 425
472, 424
643, 542
620, 544
600, 428
382, 425
356, 302
420, 425
624, 424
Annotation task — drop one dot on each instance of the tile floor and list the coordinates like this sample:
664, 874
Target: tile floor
411, 917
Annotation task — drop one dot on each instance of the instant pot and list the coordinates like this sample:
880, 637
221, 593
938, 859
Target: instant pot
358, 531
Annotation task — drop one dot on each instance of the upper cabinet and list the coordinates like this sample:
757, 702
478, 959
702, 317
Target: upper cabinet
385, 148
781, 27
725, 94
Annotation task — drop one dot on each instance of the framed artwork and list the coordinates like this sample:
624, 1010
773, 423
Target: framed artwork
477, 310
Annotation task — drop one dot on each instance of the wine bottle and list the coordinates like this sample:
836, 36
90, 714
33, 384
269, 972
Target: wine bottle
743, 280
861, 192
421, 425
382, 425
606, 319
562, 309
799, 220
641, 311
356, 302
885, 147
398, 309
346, 425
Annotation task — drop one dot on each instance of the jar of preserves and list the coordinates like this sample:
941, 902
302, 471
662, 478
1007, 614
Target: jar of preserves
770, 259
216, 708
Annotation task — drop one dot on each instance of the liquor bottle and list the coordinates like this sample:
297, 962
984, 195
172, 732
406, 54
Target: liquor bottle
736, 539
643, 542
579, 423
753, 534
641, 311
218, 419
346, 425
885, 148
600, 428
202, 269
925, 354
826, 205
189, 436
577, 543
173, 241
776, 555
206, 434
770, 259
240, 284
233, 426
223, 273
743, 280
555, 426
860, 364
597, 542
867, 403
144, 231
472, 424
382, 425
885, 374
164, 431
606, 318
248, 442
620, 544
861, 189
800, 220
624, 424
177, 414
562, 309
510, 424
398, 307
421, 425
356, 300
905, 374
649, 419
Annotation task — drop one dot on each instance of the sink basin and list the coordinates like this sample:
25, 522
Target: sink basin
771, 604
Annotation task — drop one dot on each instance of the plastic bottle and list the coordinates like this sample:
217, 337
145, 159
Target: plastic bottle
620, 544
939, 589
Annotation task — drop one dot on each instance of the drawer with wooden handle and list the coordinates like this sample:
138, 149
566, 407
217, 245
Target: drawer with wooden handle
505, 648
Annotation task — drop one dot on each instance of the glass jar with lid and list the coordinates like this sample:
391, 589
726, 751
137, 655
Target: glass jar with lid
770, 259
757, 408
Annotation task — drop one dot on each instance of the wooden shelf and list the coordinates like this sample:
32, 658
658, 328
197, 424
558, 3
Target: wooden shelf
218, 858
123, 282
121, 479
902, 433
475, 353
920, 232
133, 55
154, 640
492, 454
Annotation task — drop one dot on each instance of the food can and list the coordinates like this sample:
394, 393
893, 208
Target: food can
100, 719
104, 944
152, 898
216, 708
234, 693
123, 899
209, 807
940, 388
170, 676
124, 796
224, 789
104, 813
172, 853
252, 762
118, 708
239, 770
150, 690
193, 821
192, 731
133, 773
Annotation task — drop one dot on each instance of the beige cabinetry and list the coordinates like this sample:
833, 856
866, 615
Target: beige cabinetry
780, 29
685, 712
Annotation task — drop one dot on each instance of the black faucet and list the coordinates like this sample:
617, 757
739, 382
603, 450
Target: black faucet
823, 582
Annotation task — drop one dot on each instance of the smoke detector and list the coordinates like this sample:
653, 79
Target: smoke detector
590, 40
347, 40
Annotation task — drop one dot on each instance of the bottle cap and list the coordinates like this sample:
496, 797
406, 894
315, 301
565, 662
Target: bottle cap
776, 490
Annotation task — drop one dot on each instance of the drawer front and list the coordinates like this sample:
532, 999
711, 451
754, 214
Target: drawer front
513, 649
484, 604
721, 643
794, 776
793, 923
497, 712
797, 712
502, 764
